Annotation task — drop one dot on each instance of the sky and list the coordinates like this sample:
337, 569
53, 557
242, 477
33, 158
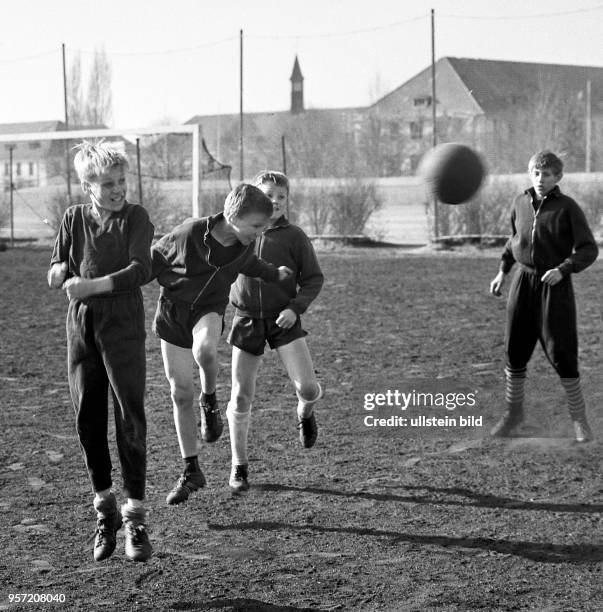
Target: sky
173, 59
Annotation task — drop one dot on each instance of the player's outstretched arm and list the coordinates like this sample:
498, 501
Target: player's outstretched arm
497, 284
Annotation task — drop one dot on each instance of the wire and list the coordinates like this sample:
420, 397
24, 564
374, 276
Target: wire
28, 57
591, 9
163, 52
338, 34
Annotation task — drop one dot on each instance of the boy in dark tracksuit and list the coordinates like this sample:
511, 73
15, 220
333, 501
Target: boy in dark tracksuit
101, 258
550, 241
271, 314
195, 265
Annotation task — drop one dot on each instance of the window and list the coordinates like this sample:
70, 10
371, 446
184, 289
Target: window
31, 169
422, 101
416, 130
18, 168
34, 144
6, 169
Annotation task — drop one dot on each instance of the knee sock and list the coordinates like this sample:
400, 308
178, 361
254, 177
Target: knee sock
514, 388
102, 495
135, 504
208, 398
191, 464
304, 406
575, 399
238, 424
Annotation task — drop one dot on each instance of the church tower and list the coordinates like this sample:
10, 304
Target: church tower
297, 89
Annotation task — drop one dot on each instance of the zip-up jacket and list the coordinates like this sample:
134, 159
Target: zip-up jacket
182, 264
555, 235
288, 245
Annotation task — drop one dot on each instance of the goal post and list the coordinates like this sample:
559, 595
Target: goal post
132, 133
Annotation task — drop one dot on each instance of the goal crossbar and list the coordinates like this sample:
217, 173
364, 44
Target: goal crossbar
192, 129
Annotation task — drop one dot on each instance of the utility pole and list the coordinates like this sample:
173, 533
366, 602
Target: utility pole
434, 136
11, 148
67, 160
284, 154
588, 131
242, 174
138, 171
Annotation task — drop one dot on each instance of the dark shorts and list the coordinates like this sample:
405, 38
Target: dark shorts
250, 335
174, 322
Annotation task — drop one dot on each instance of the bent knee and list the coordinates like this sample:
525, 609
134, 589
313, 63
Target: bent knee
240, 402
205, 352
308, 391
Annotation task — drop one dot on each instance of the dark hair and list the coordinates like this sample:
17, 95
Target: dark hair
546, 159
272, 176
245, 199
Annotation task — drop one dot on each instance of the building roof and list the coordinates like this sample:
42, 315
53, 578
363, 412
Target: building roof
214, 127
34, 127
296, 75
30, 127
496, 84
468, 86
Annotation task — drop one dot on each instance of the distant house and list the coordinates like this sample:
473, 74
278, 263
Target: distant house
504, 109
34, 162
493, 105
39, 162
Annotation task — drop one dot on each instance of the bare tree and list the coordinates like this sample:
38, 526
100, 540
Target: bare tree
550, 118
99, 100
75, 96
94, 106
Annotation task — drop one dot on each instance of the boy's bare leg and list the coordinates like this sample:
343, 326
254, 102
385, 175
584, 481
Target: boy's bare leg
179, 372
206, 335
244, 375
298, 363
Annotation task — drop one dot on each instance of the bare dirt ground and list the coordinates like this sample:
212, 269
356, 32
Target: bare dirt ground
388, 518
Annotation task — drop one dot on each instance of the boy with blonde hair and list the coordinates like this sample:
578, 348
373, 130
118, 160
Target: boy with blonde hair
195, 265
271, 314
550, 240
101, 257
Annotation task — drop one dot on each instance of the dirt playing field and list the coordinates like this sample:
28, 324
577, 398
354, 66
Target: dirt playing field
409, 518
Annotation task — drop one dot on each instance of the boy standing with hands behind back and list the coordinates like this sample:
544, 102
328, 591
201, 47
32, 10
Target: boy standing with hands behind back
101, 258
550, 240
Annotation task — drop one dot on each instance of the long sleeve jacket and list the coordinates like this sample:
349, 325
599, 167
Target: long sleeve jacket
183, 265
555, 235
286, 245
119, 247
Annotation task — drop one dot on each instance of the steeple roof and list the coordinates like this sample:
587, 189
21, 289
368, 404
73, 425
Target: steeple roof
296, 75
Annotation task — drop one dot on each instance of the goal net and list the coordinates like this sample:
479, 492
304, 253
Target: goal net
171, 172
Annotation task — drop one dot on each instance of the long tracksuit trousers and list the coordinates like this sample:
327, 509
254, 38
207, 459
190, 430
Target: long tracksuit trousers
540, 312
106, 350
